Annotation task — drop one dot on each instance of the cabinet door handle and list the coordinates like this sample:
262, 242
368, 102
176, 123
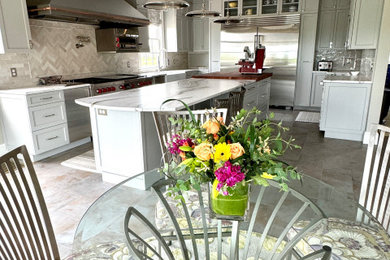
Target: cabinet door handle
321, 83
46, 98
50, 115
52, 138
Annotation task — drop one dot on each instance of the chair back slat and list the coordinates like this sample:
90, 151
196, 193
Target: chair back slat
156, 234
26, 231
268, 200
375, 187
252, 221
12, 200
190, 227
288, 227
381, 179
383, 183
204, 223
374, 175
269, 223
219, 239
179, 234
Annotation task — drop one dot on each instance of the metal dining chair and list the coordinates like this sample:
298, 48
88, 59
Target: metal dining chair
265, 236
375, 187
25, 228
363, 237
234, 103
165, 128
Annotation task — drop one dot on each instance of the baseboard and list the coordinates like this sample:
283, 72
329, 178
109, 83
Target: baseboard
38, 157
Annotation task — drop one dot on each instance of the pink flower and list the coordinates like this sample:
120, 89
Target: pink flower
178, 141
228, 175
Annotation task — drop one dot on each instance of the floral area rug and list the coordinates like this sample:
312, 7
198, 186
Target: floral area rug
348, 240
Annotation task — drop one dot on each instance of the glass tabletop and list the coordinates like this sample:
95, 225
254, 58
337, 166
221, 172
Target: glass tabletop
103, 222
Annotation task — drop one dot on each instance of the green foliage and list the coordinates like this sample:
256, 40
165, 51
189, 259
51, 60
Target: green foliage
263, 142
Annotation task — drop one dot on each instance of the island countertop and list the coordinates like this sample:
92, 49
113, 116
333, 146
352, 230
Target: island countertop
234, 76
150, 98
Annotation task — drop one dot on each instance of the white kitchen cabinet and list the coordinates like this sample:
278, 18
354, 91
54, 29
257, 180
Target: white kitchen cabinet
200, 35
175, 30
305, 62
257, 95
37, 120
14, 26
309, 6
334, 4
365, 24
326, 26
332, 29
344, 110
316, 88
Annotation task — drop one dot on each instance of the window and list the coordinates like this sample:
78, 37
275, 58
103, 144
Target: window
150, 60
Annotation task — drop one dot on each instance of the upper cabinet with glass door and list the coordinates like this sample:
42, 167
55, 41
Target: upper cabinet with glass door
249, 7
260, 7
230, 7
290, 6
269, 6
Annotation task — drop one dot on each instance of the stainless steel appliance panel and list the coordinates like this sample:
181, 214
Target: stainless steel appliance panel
117, 40
79, 123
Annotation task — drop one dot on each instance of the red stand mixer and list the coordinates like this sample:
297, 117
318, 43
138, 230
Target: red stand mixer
251, 65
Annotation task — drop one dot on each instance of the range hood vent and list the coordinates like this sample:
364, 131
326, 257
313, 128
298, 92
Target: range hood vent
112, 13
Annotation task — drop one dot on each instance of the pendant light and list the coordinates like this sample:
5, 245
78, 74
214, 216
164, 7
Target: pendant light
227, 20
166, 4
203, 12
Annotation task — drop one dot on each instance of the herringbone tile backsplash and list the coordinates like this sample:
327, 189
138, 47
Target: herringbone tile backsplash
54, 52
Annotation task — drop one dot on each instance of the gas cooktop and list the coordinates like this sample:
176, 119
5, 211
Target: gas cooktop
103, 79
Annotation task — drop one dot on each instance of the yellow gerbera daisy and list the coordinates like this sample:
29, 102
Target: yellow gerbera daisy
266, 175
222, 152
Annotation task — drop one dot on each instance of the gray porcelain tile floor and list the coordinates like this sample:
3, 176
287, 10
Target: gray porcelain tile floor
68, 192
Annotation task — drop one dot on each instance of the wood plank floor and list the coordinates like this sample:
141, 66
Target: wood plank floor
69, 193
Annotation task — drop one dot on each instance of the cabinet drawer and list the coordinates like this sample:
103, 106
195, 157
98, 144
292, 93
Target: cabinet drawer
50, 138
47, 115
45, 98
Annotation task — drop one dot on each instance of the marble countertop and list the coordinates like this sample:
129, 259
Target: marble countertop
40, 89
150, 98
347, 79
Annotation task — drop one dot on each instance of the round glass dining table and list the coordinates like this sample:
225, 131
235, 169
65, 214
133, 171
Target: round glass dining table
102, 226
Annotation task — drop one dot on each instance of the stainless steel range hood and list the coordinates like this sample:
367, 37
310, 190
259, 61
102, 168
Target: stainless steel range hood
106, 13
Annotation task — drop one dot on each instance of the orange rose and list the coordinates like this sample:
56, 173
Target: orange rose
236, 150
211, 126
182, 155
203, 151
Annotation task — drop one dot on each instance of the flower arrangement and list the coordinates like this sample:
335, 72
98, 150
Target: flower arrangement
229, 156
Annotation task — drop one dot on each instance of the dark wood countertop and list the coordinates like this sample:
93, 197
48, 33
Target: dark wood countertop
233, 75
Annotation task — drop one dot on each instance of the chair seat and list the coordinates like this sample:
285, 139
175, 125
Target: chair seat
348, 240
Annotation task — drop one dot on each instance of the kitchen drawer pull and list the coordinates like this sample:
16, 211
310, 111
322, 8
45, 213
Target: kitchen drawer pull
46, 98
52, 138
50, 115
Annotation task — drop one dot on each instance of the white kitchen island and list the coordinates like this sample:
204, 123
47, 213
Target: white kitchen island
124, 135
